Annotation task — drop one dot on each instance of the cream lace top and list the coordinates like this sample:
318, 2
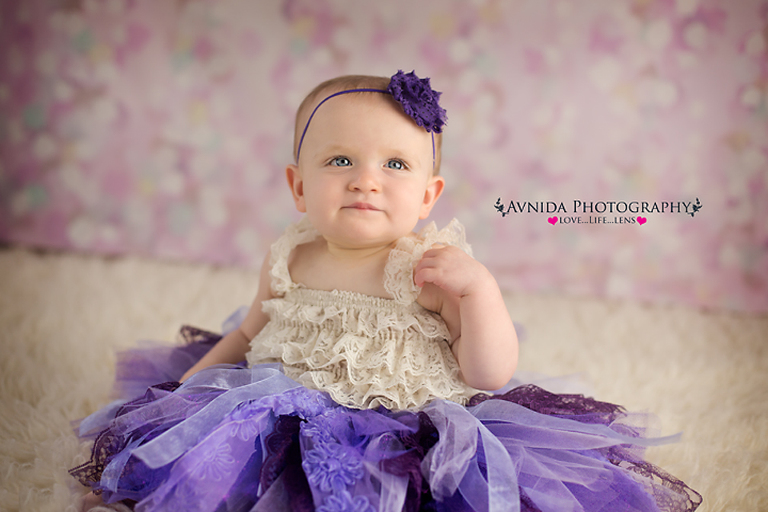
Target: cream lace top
365, 351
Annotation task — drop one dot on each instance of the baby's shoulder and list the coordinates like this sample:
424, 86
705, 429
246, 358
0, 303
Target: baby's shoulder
306, 256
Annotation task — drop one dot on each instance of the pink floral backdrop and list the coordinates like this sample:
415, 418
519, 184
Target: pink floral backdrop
163, 129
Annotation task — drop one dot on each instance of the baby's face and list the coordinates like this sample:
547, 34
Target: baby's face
365, 171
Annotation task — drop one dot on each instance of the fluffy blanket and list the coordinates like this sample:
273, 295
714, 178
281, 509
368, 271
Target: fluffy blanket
62, 316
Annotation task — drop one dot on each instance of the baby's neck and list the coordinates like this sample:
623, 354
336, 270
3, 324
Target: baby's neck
357, 255
326, 266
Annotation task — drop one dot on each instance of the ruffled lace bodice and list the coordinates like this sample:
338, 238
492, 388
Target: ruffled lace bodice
365, 351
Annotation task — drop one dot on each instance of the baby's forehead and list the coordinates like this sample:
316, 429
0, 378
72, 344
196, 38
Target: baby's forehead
373, 105
364, 111
337, 95
346, 124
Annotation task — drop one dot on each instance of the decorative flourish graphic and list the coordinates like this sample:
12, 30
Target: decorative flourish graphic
500, 208
641, 220
552, 220
695, 207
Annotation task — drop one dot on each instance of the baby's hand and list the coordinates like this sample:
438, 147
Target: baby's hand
465, 294
452, 270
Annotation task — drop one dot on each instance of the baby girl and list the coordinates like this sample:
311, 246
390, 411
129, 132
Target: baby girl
366, 347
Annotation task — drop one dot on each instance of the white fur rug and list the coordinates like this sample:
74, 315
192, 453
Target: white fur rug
62, 316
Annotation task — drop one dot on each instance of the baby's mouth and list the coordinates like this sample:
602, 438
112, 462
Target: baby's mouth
362, 206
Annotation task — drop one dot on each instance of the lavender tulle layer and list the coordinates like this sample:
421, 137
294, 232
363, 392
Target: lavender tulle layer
233, 438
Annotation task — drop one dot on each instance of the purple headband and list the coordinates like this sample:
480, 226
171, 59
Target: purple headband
416, 97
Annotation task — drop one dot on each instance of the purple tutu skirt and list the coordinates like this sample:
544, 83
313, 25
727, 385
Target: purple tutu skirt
251, 439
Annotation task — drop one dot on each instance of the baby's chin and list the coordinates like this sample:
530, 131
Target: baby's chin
361, 240
363, 229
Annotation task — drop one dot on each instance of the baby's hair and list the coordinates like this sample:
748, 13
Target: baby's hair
345, 83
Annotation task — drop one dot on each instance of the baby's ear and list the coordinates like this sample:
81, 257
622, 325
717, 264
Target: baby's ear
435, 187
297, 186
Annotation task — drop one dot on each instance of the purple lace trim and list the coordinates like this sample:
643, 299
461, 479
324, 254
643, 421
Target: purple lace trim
108, 444
577, 407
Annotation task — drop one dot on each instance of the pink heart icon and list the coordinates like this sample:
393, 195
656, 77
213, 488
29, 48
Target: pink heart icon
552, 220
641, 220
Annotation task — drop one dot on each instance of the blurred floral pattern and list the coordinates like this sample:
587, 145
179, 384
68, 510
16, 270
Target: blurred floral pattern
163, 129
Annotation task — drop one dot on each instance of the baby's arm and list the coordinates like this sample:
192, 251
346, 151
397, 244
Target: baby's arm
231, 349
466, 295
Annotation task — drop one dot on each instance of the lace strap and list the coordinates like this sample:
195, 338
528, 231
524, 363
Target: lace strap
398, 272
296, 234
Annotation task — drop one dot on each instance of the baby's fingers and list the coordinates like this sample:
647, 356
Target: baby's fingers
449, 268
427, 270
434, 251
436, 269
426, 274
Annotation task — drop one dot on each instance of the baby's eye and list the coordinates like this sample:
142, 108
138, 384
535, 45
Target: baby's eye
396, 165
341, 161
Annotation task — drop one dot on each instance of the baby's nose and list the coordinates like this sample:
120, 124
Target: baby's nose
366, 179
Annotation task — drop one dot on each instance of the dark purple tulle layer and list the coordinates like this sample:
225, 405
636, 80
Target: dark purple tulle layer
231, 438
139, 368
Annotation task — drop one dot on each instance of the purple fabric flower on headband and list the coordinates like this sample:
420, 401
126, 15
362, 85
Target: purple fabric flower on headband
418, 100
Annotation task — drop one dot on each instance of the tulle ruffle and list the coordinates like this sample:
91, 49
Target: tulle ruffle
238, 439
